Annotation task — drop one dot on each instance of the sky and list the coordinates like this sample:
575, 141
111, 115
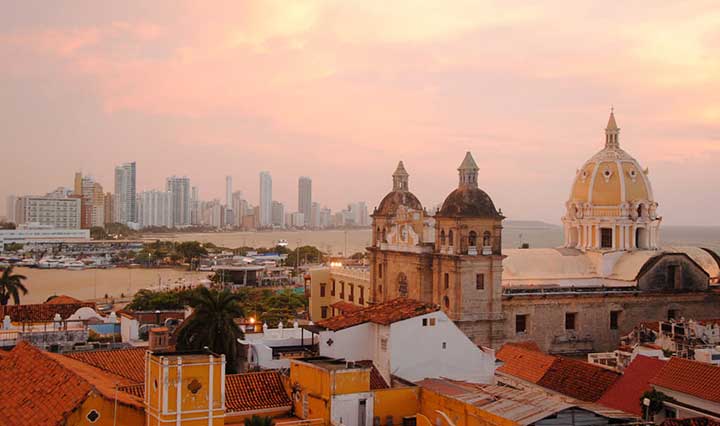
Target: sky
342, 90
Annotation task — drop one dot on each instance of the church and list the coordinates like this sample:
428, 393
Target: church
611, 274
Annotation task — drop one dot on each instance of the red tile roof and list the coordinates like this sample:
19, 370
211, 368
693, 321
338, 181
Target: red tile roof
383, 313
693, 421
127, 363
39, 388
526, 344
578, 379
690, 377
41, 312
345, 307
625, 394
376, 379
63, 300
255, 391
526, 364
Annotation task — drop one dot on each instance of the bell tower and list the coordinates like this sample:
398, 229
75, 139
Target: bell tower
184, 388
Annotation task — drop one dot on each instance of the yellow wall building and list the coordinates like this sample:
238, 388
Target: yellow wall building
337, 289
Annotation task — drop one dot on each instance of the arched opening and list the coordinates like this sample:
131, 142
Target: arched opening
450, 237
472, 239
487, 239
641, 238
442, 237
641, 210
384, 239
378, 235
606, 238
446, 302
402, 285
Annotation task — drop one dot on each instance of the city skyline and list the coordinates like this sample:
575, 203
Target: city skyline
113, 87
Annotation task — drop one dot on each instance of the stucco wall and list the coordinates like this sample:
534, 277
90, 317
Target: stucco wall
687, 275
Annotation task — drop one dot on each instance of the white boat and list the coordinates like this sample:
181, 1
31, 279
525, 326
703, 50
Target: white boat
74, 265
48, 263
282, 243
29, 262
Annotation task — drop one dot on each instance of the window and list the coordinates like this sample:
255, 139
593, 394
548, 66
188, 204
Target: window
606, 238
672, 314
362, 295
447, 280
486, 238
92, 416
432, 322
520, 323
322, 290
351, 291
480, 281
450, 237
380, 271
472, 239
342, 289
424, 322
442, 237
614, 319
383, 344
402, 284
570, 320
323, 312
444, 345
446, 302
332, 290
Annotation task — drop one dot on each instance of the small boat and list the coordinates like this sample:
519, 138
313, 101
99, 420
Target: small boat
29, 262
48, 263
282, 243
74, 265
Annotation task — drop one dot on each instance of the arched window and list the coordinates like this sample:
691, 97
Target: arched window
442, 237
450, 237
472, 239
446, 302
384, 239
486, 238
378, 235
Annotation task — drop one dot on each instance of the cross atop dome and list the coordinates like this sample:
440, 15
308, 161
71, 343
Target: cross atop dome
400, 178
612, 132
468, 171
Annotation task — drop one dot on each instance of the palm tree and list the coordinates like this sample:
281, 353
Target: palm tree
212, 325
11, 285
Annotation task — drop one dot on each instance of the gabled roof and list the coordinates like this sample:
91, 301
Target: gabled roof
345, 307
383, 313
127, 363
523, 363
40, 388
570, 377
255, 391
578, 379
694, 378
625, 393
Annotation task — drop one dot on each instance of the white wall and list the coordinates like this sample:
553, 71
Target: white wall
353, 344
344, 409
128, 329
417, 352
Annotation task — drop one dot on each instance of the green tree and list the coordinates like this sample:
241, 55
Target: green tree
256, 420
308, 254
7, 225
14, 247
657, 399
98, 233
212, 325
11, 285
190, 250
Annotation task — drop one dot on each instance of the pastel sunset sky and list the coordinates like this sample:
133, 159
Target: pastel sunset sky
342, 90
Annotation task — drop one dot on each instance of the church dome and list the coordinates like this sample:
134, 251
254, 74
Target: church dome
468, 200
399, 196
611, 177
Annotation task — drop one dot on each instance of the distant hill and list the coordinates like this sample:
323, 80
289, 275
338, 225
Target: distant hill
529, 224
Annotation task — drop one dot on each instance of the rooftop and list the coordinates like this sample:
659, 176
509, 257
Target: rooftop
690, 377
626, 392
383, 313
44, 312
127, 363
523, 363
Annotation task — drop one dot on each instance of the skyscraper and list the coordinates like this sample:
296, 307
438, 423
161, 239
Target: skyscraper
265, 199
305, 198
125, 196
155, 208
278, 214
228, 192
180, 189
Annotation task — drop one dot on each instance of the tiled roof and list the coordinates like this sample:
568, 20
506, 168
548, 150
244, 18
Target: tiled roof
625, 393
383, 313
41, 312
255, 391
690, 377
526, 364
40, 388
63, 300
693, 421
526, 344
127, 363
376, 379
345, 307
137, 390
578, 379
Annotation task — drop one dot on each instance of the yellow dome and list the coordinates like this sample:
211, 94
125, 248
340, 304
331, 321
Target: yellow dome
611, 177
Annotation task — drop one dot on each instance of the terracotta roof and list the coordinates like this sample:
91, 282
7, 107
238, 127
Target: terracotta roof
41, 388
63, 300
690, 377
625, 393
345, 307
523, 363
127, 363
41, 312
693, 421
383, 313
526, 344
376, 379
578, 379
137, 390
255, 391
